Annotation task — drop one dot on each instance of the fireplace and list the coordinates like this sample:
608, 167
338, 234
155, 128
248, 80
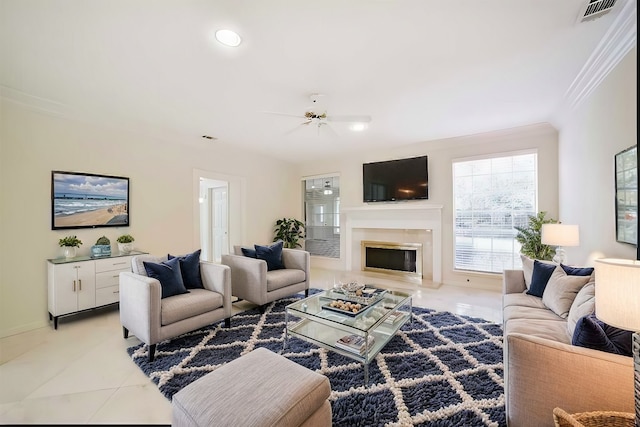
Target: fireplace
402, 222
404, 259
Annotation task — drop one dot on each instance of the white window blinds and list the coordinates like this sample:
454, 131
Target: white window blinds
491, 196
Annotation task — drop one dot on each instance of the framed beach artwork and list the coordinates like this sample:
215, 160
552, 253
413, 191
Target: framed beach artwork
626, 171
85, 200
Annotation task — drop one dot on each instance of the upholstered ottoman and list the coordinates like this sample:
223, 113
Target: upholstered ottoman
261, 388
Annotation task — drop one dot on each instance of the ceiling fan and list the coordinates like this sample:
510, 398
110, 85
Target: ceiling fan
318, 117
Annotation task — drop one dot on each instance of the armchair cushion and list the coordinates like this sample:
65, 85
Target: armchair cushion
169, 275
184, 306
277, 279
271, 254
190, 269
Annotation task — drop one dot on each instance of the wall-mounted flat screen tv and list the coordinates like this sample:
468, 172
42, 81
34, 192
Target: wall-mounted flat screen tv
85, 200
395, 180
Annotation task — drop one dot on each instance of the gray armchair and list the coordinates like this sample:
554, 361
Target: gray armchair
251, 281
153, 319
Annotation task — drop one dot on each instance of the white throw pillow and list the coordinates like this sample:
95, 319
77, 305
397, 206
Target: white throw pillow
583, 305
561, 291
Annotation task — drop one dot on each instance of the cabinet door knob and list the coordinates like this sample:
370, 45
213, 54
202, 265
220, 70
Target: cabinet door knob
74, 286
79, 285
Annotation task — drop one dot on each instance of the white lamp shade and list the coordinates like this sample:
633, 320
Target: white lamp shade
560, 235
618, 293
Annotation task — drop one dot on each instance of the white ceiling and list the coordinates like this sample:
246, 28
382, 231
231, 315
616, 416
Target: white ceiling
422, 69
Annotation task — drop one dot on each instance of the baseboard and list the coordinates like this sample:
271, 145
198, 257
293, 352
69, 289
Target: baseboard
23, 328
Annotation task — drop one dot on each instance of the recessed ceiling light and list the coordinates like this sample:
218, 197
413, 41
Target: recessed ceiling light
228, 38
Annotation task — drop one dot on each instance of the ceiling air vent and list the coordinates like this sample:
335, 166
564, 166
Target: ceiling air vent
594, 9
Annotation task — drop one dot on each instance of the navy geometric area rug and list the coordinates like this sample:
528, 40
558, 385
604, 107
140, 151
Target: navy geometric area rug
442, 369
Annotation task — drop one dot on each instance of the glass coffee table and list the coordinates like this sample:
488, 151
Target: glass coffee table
374, 323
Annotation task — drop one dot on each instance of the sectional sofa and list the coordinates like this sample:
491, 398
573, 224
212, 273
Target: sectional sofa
543, 370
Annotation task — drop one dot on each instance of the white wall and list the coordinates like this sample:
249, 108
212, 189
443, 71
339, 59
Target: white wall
33, 144
603, 125
542, 137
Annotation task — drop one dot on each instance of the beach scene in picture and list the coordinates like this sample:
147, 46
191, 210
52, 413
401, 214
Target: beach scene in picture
84, 200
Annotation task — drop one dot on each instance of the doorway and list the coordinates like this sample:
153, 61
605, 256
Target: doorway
214, 218
220, 224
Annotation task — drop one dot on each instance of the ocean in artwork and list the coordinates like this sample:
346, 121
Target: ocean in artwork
70, 204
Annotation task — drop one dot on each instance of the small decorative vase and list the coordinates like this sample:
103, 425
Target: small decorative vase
70, 251
100, 250
125, 248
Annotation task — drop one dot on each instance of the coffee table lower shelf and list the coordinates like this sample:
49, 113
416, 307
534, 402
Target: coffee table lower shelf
325, 336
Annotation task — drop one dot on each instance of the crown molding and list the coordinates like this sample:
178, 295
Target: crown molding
619, 39
35, 103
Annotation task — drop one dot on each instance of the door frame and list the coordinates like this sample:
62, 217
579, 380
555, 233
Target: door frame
237, 189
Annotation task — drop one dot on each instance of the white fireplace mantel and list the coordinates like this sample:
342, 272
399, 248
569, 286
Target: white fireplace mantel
405, 216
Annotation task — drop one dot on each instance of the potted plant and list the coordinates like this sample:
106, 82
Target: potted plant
70, 245
530, 237
290, 231
101, 248
125, 243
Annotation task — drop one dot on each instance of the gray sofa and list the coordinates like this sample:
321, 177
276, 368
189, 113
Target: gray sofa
543, 370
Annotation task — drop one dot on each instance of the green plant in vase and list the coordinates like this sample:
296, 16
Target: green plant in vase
530, 237
290, 231
125, 243
70, 244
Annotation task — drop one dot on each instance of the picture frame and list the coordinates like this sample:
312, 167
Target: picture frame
88, 200
626, 177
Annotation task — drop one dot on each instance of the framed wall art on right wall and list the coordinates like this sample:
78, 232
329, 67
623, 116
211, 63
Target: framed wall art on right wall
626, 173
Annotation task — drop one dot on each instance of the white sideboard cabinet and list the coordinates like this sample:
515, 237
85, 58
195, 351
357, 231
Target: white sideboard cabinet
84, 283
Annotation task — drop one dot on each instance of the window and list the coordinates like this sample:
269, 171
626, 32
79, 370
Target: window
491, 196
322, 216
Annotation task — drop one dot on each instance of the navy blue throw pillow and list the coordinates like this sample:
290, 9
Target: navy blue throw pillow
577, 271
190, 269
251, 253
540, 277
593, 333
169, 275
271, 254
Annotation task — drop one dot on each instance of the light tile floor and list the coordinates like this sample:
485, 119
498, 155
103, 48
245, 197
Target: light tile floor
82, 374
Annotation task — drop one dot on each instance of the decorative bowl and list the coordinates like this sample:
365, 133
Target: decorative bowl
351, 288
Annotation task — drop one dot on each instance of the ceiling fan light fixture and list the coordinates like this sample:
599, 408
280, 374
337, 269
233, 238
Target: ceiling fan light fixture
228, 38
357, 127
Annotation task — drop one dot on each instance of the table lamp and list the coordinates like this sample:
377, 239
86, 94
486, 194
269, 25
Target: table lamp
560, 235
618, 304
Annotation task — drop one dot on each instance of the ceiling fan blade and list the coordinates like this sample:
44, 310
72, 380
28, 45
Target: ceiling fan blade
352, 119
289, 132
285, 114
329, 130
298, 127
